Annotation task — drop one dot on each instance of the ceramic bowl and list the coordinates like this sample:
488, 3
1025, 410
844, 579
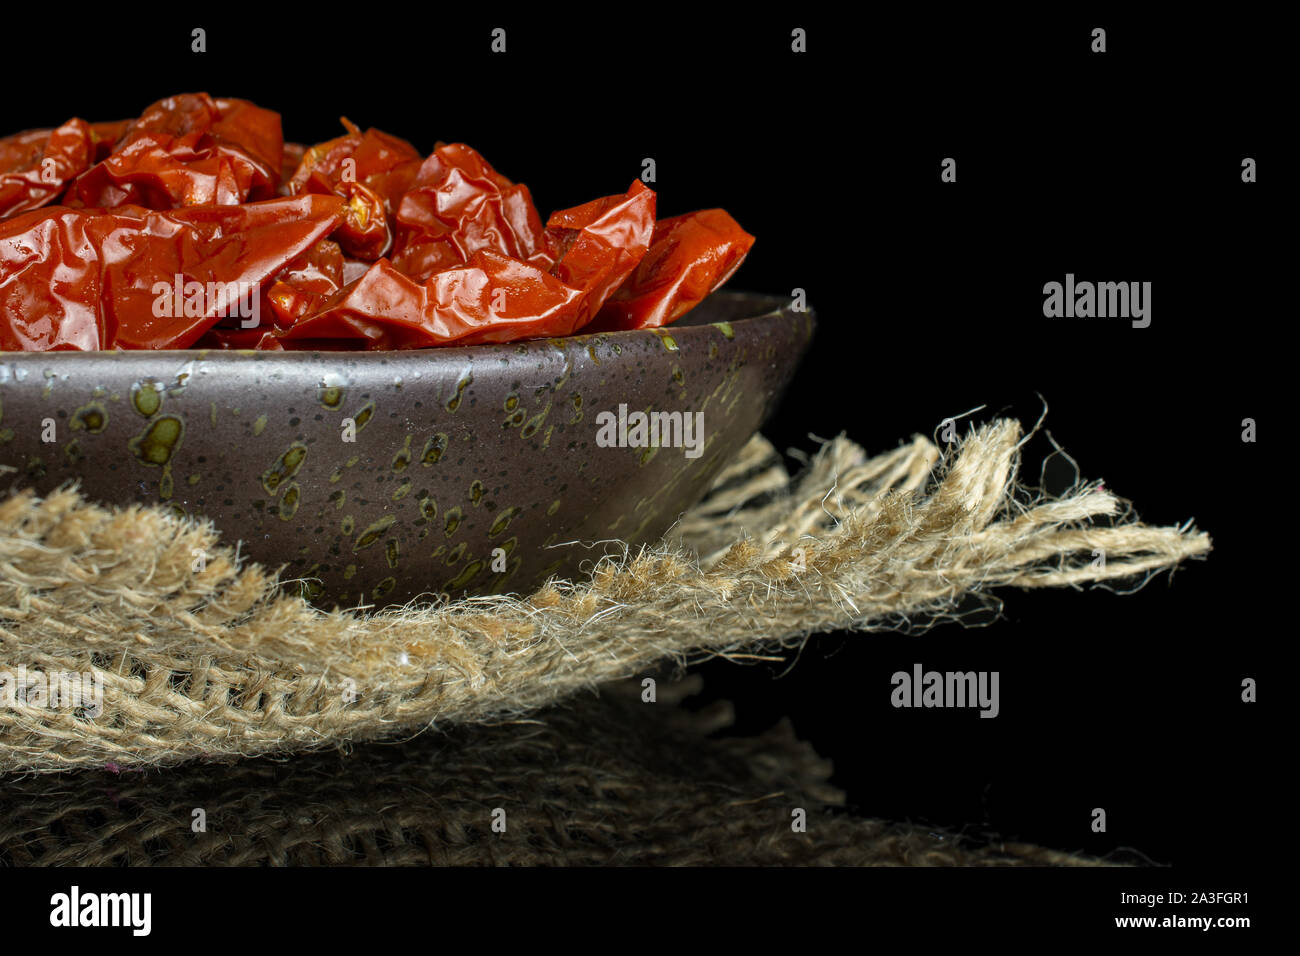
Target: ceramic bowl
374, 477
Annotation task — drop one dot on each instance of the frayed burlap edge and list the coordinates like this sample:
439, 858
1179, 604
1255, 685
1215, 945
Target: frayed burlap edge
223, 663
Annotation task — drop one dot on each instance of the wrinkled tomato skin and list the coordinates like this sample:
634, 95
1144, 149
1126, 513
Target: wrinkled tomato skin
88, 279
188, 150
355, 243
370, 171
36, 167
689, 257
457, 205
494, 297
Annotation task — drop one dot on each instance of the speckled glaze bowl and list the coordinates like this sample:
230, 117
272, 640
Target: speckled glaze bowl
469, 470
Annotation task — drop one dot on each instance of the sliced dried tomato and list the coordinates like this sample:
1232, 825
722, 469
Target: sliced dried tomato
385, 163
370, 170
493, 297
106, 136
100, 279
457, 205
188, 150
35, 167
305, 284
689, 257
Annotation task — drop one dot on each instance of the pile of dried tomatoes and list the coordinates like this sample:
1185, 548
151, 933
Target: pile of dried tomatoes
197, 226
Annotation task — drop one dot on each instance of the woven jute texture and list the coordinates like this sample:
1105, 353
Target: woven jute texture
223, 662
595, 780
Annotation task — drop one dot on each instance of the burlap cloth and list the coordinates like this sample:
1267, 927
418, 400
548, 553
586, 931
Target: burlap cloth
221, 663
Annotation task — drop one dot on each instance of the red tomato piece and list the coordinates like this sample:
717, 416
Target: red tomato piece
457, 205
35, 167
370, 170
689, 257
493, 297
136, 278
188, 150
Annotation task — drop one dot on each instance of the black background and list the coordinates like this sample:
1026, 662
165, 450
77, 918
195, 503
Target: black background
1121, 166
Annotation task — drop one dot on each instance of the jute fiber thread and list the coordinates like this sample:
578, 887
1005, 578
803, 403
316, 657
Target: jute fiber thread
594, 780
222, 662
